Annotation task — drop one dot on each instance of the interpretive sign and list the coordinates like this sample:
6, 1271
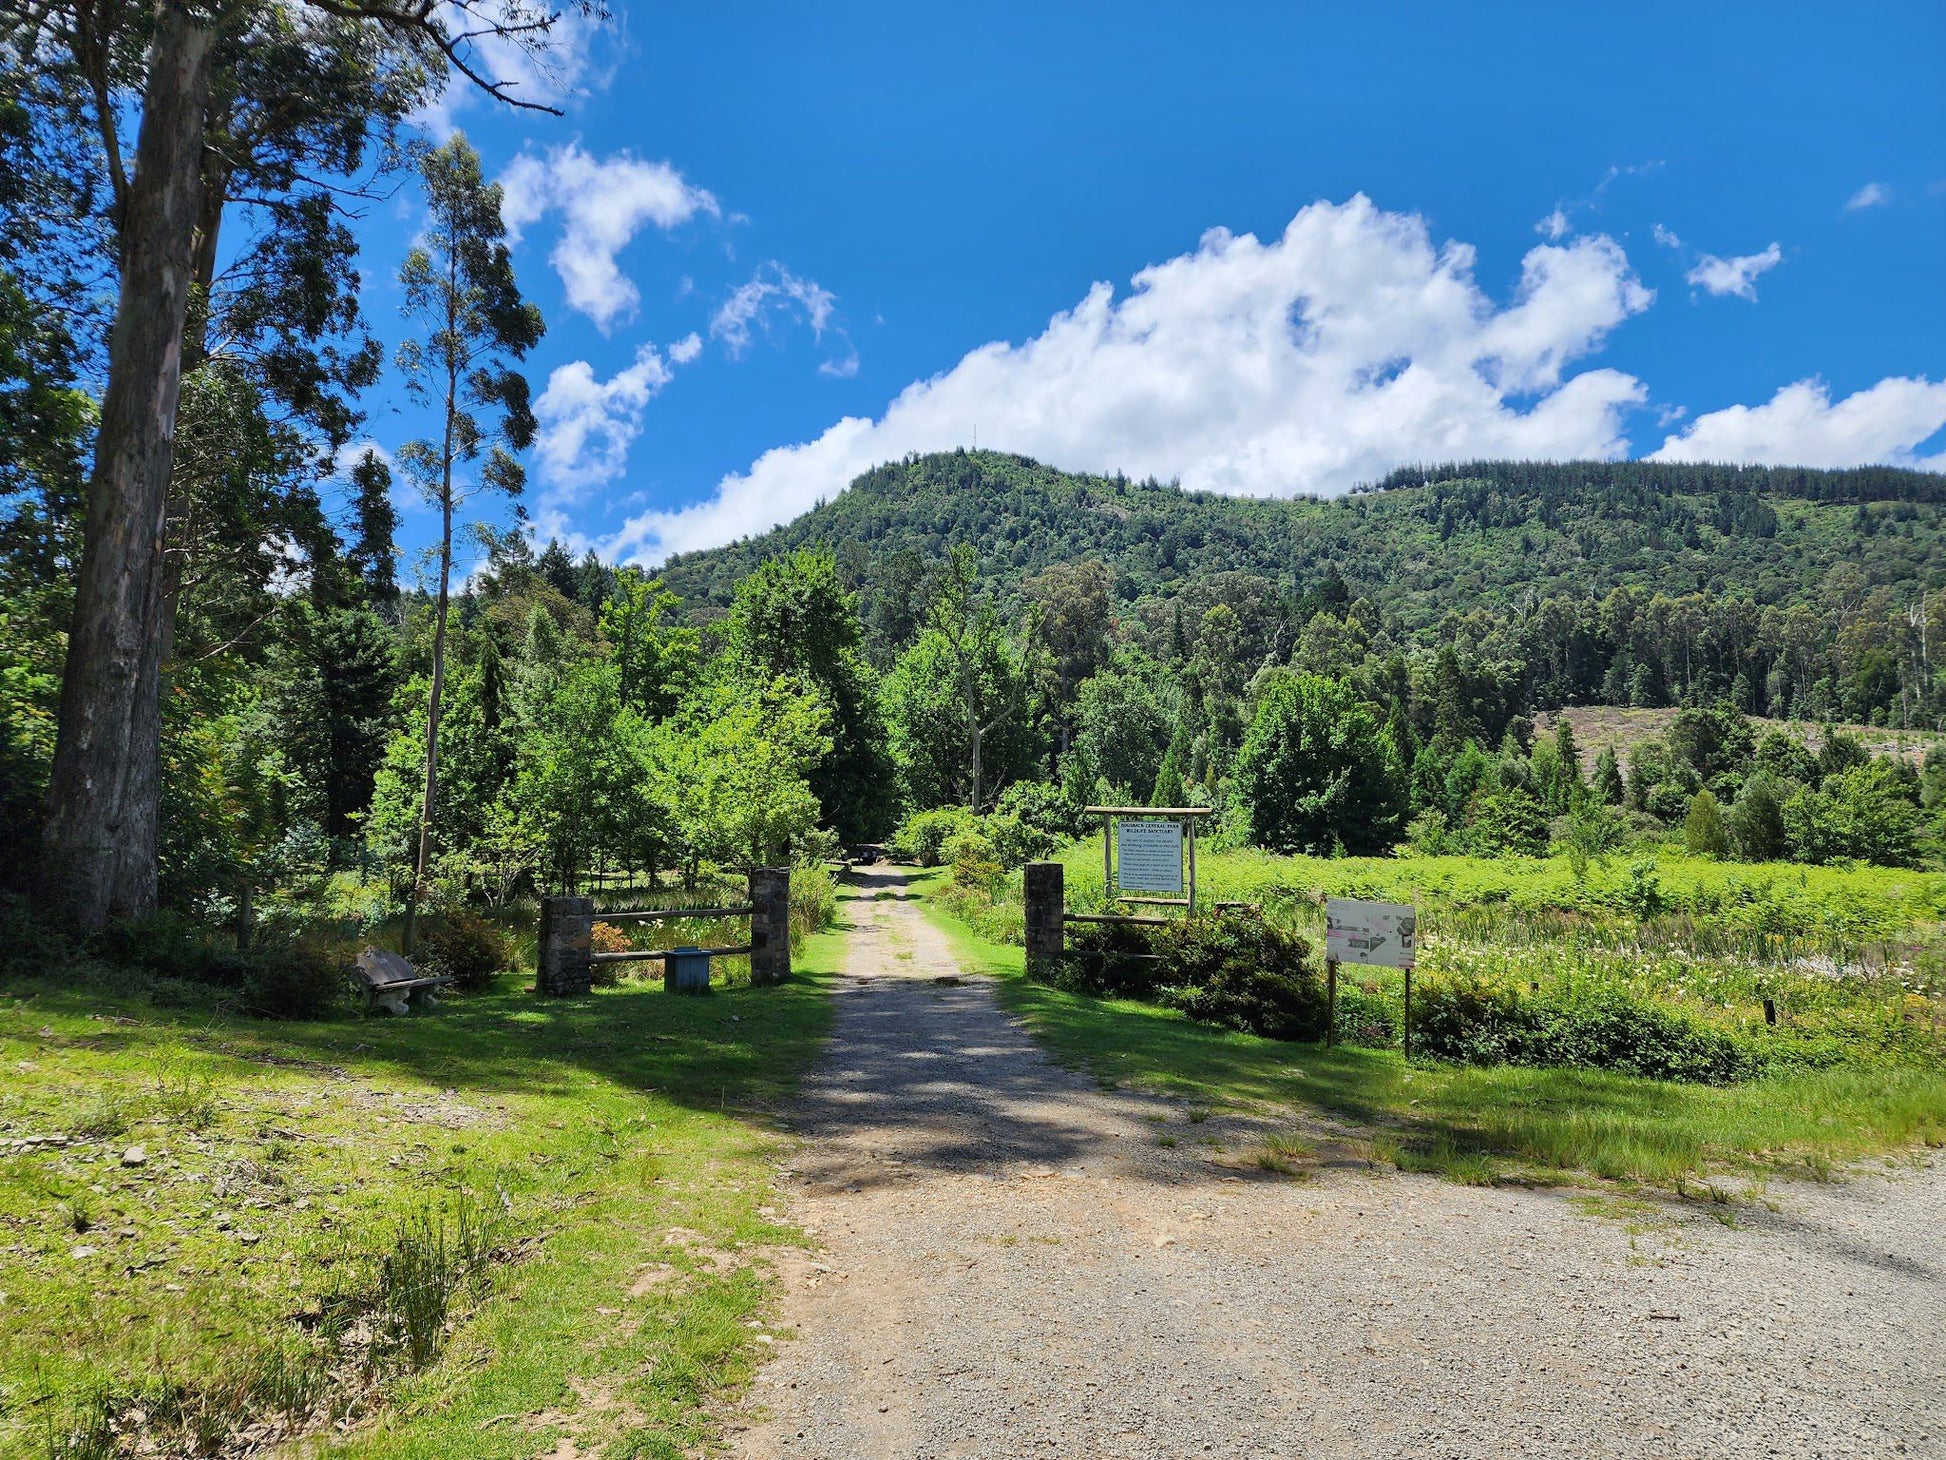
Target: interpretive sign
1380, 933
1148, 856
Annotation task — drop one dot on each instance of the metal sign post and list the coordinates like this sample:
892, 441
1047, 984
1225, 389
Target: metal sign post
1378, 934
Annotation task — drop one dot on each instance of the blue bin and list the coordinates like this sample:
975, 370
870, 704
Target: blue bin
685, 971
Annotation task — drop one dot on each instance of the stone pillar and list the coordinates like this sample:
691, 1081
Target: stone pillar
561, 966
1046, 891
770, 925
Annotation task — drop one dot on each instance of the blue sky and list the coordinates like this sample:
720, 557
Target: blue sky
1280, 250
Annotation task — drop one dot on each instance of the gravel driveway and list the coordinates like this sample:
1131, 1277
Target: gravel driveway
1011, 1263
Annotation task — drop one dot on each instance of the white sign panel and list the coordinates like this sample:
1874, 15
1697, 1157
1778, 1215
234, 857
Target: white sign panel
1381, 933
1148, 856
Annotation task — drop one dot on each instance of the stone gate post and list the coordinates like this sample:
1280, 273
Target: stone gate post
770, 925
562, 967
1045, 885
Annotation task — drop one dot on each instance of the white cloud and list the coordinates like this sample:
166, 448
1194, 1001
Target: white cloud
773, 287
1328, 356
1555, 225
841, 367
1800, 426
1667, 237
1870, 196
603, 204
587, 425
1736, 276
686, 349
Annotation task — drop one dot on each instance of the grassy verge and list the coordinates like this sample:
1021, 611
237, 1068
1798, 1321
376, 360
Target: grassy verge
473, 1233
1480, 1124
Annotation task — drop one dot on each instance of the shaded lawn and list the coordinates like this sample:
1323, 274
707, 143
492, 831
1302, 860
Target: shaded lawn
279, 1157
1475, 1123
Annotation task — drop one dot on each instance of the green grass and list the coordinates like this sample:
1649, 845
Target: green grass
1474, 1124
609, 1155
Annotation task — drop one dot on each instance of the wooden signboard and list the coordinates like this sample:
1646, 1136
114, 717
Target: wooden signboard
1148, 857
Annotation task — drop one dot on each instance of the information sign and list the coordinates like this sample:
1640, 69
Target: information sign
1148, 856
1380, 933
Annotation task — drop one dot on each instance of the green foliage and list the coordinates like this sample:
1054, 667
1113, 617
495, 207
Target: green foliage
1315, 771
1481, 1023
1122, 731
921, 838
1509, 821
295, 978
794, 618
1756, 820
1704, 832
1045, 807
466, 948
1607, 782
1231, 968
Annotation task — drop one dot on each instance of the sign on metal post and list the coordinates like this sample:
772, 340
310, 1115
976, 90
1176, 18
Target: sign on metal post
1148, 856
1384, 934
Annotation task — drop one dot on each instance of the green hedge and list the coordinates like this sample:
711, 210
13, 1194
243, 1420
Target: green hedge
1484, 1024
1230, 968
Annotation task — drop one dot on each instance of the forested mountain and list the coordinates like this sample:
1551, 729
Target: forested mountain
1419, 544
1787, 590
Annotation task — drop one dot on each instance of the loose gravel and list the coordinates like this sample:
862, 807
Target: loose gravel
1011, 1263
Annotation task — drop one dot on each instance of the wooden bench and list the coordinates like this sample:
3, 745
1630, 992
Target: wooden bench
393, 984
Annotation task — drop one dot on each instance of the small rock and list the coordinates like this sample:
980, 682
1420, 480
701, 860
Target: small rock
79, 1252
224, 1221
135, 1156
249, 1239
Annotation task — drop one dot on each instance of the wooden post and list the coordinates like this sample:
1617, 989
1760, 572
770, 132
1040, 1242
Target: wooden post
1107, 856
1330, 1002
1405, 1028
1044, 887
563, 967
770, 925
1189, 829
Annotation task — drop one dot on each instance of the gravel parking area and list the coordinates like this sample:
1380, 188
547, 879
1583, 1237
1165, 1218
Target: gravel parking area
1012, 1262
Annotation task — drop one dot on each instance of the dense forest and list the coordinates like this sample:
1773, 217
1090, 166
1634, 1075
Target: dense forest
1807, 594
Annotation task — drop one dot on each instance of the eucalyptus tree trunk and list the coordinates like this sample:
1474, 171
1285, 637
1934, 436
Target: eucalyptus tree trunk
98, 850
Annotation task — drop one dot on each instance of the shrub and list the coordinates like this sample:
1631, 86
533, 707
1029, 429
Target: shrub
303, 978
466, 948
1239, 971
1482, 1024
1117, 960
1230, 968
921, 838
169, 945
607, 938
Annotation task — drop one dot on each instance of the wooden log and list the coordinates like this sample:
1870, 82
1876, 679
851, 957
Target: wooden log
1116, 918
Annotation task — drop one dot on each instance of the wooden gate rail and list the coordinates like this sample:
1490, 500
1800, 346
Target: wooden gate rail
643, 955
671, 914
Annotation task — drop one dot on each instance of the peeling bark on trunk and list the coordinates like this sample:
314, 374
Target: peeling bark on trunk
99, 847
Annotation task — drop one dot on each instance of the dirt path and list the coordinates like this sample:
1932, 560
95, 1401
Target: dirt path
1012, 1264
